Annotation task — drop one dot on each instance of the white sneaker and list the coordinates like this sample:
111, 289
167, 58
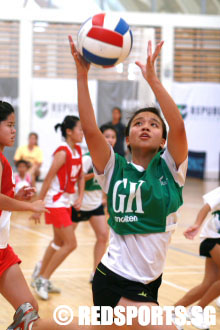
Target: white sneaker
179, 327
35, 274
36, 270
197, 322
218, 301
52, 289
41, 287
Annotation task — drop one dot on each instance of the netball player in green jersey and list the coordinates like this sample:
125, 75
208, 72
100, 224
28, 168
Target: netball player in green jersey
142, 195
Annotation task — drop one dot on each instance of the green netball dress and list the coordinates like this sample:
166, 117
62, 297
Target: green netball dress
139, 202
142, 207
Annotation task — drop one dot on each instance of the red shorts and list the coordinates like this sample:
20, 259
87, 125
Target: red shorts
7, 259
59, 217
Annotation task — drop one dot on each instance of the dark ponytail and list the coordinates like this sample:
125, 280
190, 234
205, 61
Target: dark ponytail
5, 110
68, 122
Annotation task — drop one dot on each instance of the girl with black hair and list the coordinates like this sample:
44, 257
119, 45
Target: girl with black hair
12, 282
57, 190
142, 195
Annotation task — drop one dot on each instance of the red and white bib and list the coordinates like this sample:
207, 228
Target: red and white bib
63, 185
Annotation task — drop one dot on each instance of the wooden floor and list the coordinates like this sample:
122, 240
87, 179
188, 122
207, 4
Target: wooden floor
184, 268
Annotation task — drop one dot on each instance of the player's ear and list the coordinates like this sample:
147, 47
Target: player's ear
162, 143
127, 141
68, 131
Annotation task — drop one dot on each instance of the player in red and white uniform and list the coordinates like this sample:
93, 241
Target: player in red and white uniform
12, 283
57, 190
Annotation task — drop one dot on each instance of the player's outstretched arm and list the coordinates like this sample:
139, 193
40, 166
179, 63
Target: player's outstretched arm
98, 147
11, 204
177, 142
58, 161
193, 230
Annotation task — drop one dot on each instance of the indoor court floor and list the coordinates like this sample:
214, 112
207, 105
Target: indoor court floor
184, 268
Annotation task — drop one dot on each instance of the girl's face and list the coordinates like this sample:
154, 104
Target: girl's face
22, 169
116, 115
76, 134
110, 136
7, 131
146, 131
32, 140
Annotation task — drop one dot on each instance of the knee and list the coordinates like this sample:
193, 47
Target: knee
102, 237
217, 285
70, 246
57, 241
207, 283
55, 246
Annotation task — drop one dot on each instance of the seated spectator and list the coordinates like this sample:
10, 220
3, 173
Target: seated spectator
32, 154
22, 177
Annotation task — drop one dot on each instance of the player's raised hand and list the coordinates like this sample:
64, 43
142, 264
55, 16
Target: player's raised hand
148, 69
82, 65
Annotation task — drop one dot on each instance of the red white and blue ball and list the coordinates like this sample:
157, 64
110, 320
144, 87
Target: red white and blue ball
105, 40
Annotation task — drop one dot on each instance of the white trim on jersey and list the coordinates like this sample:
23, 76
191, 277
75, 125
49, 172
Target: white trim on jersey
4, 228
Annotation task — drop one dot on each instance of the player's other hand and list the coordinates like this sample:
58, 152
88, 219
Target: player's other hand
148, 68
191, 232
38, 206
25, 193
36, 217
77, 204
82, 66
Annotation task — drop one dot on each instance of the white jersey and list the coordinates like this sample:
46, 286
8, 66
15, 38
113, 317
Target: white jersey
92, 199
211, 227
139, 257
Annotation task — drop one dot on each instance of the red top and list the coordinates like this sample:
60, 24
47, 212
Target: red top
69, 173
7, 185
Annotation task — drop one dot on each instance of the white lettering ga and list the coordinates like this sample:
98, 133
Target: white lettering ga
134, 194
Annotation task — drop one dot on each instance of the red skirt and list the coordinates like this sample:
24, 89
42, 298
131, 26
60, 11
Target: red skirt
7, 259
59, 217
